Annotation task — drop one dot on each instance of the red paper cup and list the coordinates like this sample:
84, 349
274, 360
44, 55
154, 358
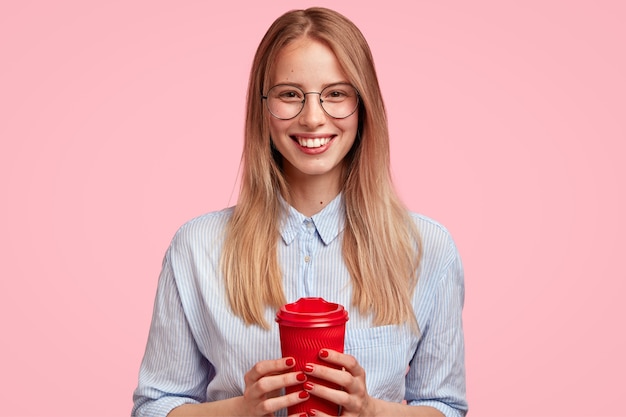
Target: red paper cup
306, 327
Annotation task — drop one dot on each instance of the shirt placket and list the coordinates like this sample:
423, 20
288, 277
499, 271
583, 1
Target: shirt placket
308, 247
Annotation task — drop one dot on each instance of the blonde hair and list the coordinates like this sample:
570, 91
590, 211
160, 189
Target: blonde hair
381, 245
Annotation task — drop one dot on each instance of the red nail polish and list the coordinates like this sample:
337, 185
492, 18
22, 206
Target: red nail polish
308, 386
301, 377
302, 415
312, 413
323, 353
290, 362
303, 395
308, 368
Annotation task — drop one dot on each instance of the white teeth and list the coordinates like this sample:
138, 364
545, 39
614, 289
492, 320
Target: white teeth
313, 143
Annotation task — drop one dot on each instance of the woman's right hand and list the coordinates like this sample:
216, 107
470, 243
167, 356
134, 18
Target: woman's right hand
264, 381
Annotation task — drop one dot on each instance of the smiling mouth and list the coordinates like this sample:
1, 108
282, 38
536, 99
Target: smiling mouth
312, 142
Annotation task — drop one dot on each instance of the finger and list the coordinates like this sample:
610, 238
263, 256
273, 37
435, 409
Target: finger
348, 362
319, 413
272, 405
333, 375
350, 403
337, 396
267, 385
268, 367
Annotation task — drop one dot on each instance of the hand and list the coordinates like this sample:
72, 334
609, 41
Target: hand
353, 399
264, 381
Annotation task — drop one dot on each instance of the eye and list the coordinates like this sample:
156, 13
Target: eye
287, 93
336, 93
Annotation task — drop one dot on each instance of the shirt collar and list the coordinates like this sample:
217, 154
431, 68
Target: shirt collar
329, 222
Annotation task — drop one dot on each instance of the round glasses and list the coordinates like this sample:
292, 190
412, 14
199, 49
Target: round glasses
286, 101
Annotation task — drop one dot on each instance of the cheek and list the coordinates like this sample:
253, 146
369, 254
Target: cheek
276, 127
351, 124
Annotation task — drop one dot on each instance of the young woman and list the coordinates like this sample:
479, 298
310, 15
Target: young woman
317, 216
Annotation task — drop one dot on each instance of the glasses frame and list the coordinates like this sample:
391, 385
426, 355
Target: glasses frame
303, 102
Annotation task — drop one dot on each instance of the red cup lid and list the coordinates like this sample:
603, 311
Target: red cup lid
312, 312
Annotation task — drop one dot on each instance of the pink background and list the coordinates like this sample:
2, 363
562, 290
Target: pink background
120, 120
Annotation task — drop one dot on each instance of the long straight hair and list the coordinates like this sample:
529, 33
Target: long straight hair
381, 244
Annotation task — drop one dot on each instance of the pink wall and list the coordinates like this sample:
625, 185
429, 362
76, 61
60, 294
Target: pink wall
120, 120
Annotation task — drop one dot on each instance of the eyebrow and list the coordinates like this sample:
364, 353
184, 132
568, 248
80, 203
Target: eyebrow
301, 86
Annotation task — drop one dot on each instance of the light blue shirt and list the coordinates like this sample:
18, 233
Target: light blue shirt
198, 351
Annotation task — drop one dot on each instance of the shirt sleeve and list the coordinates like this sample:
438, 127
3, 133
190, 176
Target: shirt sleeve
173, 371
436, 377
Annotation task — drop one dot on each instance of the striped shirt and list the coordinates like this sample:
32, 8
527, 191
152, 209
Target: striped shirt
198, 351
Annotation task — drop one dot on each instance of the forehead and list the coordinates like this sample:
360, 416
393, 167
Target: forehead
307, 62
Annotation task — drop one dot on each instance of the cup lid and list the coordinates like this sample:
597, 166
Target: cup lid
312, 312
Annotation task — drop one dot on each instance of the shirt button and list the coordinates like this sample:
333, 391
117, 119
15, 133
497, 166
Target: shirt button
307, 258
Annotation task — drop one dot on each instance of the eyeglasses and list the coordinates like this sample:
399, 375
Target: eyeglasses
286, 101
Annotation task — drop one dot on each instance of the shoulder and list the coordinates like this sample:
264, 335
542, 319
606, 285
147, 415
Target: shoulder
202, 230
431, 231
439, 250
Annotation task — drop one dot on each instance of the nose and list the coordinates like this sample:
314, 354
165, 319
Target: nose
312, 114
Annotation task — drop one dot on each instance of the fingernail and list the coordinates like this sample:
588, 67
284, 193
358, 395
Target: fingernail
308, 386
302, 415
290, 362
308, 368
312, 413
301, 377
323, 353
303, 395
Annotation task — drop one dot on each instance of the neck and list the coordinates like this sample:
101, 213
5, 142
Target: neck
311, 196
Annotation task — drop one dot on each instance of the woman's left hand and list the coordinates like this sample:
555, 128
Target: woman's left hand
353, 399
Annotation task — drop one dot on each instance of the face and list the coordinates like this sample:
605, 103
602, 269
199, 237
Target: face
313, 144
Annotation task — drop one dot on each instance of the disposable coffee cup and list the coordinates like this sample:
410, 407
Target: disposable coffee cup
307, 326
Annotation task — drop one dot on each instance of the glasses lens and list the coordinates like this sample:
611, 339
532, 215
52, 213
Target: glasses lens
339, 100
285, 101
